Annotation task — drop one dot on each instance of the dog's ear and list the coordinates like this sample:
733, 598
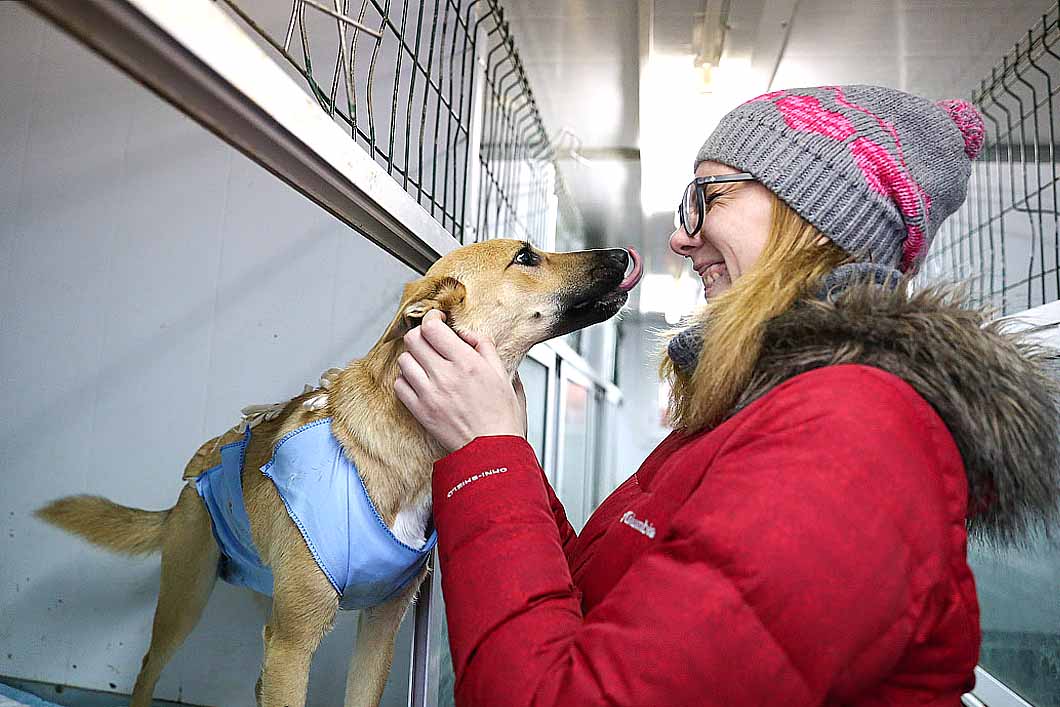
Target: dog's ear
420, 297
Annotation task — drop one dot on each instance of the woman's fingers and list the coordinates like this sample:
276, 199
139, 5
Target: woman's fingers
443, 339
488, 351
412, 371
466, 399
470, 337
425, 354
520, 395
520, 391
407, 396
457, 392
434, 344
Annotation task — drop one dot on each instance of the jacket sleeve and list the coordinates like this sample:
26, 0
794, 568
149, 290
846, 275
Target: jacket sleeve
567, 534
810, 547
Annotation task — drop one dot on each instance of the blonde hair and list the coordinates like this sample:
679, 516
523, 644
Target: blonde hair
795, 257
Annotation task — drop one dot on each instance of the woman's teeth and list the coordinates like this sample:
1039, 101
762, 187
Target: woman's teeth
712, 274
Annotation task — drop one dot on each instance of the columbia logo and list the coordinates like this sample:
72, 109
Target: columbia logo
641, 526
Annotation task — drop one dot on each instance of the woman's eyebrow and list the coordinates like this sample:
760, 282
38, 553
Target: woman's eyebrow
714, 190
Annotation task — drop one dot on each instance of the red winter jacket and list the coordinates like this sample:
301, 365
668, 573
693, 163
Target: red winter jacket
810, 550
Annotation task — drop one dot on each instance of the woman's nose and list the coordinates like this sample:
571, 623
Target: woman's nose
682, 243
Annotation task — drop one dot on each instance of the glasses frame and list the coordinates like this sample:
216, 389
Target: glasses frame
702, 204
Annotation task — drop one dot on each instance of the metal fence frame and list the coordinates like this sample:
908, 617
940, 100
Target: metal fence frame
1014, 183
459, 94
506, 183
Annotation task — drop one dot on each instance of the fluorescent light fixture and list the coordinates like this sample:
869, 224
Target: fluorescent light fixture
680, 105
672, 106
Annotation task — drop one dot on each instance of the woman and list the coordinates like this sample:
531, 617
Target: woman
800, 539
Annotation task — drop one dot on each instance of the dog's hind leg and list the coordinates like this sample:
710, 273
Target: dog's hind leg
189, 571
370, 664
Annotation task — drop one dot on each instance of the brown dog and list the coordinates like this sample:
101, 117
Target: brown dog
505, 289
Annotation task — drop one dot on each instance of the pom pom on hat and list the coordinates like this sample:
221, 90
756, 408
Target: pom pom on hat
968, 121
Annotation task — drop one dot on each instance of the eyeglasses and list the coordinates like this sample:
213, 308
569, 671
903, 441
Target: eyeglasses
695, 204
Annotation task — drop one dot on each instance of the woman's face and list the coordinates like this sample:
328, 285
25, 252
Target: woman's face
733, 234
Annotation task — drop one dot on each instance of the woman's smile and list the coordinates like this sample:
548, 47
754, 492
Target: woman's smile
715, 276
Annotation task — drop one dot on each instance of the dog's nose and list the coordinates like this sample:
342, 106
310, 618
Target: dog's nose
619, 256
608, 262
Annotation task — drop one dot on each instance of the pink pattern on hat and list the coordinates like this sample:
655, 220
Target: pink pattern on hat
887, 178
842, 100
882, 173
805, 113
909, 195
870, 157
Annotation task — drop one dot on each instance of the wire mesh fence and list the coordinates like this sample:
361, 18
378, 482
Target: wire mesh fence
435, 91
1004, 242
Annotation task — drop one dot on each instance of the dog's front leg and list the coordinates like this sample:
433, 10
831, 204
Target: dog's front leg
370, 664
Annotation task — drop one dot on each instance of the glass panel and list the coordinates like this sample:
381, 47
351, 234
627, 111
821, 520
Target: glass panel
1020, 618
575, 432
605, 469
441, 661
598, 348
591, 466
535, 381
575, 340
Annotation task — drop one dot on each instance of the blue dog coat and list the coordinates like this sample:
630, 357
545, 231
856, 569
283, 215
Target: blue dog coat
325, 497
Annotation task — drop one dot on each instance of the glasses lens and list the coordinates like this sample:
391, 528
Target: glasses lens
677, 217
690, 205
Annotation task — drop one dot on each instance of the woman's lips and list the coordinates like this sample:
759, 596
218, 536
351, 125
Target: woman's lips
712, 274
701, 269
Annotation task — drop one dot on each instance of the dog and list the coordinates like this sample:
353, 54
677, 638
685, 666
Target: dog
505, 289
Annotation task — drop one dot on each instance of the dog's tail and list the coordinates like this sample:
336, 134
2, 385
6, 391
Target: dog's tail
128, 531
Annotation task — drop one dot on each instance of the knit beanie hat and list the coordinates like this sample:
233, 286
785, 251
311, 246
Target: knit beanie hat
875, 169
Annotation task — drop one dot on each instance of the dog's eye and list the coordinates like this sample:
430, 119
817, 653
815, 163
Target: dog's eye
526, 257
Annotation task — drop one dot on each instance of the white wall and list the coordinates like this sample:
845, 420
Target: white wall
152, 282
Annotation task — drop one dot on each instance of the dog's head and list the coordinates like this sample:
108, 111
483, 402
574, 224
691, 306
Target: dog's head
519, 295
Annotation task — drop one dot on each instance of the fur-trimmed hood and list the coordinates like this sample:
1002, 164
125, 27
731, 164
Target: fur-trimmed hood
995, 389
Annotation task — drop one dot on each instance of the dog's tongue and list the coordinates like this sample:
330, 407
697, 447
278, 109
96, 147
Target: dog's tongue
638, 269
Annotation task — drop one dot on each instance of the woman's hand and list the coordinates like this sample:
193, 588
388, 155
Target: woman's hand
457, 387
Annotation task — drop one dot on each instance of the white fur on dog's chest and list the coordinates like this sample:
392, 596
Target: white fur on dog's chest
410, 524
